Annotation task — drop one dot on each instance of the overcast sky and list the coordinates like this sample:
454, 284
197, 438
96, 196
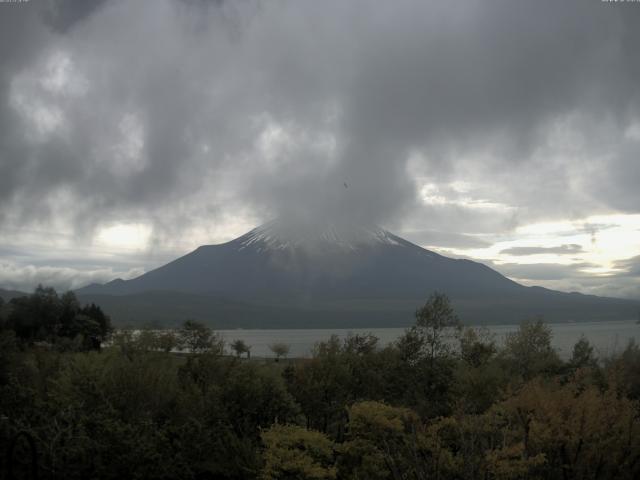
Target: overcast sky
504, 131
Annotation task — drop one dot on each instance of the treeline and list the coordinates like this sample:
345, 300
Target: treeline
443, 402
46, 317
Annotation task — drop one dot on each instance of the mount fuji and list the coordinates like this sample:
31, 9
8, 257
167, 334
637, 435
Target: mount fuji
292, 275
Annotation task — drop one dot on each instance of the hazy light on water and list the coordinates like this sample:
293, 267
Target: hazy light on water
607, 337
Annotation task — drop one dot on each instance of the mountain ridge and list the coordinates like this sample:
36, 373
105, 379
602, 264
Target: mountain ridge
7, 295
338, 275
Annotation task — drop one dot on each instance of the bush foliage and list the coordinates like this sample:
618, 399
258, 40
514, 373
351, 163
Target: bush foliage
442, 402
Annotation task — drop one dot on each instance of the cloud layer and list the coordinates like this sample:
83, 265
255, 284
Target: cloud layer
455, 122
566, 249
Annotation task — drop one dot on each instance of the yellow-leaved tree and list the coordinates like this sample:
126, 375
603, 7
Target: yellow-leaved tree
293, 452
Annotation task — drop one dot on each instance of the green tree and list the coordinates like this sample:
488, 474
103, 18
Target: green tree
421, 374
322, 386
381, 442
360, 345
240, 347
124, 339
88, 330
3, 315
96, 313
196, 337
623, 370
583, 355
528, 351
255, 396
146, 340
477, 346
69, 308
280, 349
8, 354
436, 323
44, 316
36, 317
166, 341
410, 346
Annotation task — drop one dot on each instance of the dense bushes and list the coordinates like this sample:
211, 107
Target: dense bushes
442, 402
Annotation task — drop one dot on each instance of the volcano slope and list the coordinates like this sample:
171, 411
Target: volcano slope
285, 276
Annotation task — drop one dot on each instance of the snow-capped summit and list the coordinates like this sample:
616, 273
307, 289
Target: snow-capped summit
280, 235
286, 273
286, 259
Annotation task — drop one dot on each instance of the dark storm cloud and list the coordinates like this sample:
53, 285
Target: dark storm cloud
567, 249
61, 15
181, 113
629, 267
21, 36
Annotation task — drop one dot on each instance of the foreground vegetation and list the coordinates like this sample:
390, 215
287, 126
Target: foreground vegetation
443, 402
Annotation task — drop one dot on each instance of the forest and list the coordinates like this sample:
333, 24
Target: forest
82, 400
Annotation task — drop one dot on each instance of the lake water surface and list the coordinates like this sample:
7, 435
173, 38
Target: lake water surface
607, 337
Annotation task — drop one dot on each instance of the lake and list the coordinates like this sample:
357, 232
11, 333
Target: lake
607, 337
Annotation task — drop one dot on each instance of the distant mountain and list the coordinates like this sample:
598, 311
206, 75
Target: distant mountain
288, 275
7, 295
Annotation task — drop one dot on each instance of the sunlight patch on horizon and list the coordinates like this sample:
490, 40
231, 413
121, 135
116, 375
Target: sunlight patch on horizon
434, 194
133, 236
604, 239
